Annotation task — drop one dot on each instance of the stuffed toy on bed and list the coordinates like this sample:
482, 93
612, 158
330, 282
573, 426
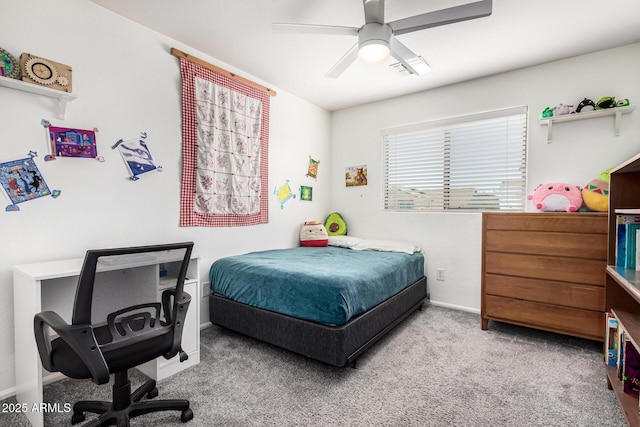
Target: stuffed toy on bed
557, 197
313, 233
336, 225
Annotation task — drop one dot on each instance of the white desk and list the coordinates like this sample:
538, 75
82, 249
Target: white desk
52, 286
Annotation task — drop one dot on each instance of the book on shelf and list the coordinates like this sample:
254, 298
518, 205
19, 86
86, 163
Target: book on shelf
631, 377
627, 226
637, 250
620, 356
628, 218
631, 245
628, 211
611, 338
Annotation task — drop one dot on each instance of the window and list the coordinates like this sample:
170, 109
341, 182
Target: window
473, 162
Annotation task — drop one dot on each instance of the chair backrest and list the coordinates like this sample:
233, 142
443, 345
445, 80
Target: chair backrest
104, 267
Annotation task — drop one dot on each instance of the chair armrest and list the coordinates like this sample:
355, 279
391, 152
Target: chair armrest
177, 318
80, 338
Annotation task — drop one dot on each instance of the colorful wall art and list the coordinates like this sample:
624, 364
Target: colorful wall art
312, 170
306, 193
137, 156
355, 176
70, 142
284, 193
22, 181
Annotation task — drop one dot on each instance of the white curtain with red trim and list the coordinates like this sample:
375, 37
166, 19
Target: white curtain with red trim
228, 177
225, 146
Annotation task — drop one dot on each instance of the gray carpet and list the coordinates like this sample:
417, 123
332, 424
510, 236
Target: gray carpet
438, 368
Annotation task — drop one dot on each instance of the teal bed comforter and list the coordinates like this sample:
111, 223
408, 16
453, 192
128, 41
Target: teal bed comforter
327, 285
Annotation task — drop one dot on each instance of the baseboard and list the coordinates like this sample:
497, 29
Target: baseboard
52, 377
455, 307
7, 393
46, 379
205, 325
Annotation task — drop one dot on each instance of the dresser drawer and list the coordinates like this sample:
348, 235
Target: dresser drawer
561, 269
555, 222
574, 245
582, 323
546, 291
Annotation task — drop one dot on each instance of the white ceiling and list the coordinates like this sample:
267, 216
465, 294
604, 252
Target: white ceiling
519, 33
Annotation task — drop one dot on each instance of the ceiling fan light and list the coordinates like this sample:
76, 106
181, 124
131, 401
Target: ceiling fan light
374, 51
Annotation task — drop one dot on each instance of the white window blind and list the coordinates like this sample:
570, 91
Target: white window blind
473, 162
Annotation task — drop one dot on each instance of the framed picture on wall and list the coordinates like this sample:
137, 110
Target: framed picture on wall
355, 176
306, 193
69, 142
136, 156
22, 181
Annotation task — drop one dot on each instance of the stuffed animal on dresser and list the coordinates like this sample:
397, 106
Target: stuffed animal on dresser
557, 197
596, 193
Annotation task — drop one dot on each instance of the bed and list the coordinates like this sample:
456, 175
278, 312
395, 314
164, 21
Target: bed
327, 303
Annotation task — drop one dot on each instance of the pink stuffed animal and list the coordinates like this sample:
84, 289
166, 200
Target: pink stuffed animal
556, 197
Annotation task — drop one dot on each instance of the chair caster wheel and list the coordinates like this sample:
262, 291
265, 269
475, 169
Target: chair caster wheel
77, 418
186, 415
152, 393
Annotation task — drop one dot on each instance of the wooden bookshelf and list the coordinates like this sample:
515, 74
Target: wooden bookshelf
628, 402
622, 289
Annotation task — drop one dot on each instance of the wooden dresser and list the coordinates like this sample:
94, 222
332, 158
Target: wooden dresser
545, 270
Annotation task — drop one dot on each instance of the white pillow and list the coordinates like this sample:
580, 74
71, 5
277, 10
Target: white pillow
343, 241
386, 246
359, 244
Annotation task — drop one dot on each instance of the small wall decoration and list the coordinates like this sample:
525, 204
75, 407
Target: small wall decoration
306, 193
313, 168
22, 181
136, 156
355, 176
45, 72
69, 142
284, 193
9, 67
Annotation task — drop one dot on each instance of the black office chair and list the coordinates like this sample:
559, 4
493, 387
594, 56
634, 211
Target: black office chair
128, 337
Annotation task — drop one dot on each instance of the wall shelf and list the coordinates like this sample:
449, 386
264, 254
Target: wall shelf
62, 97
617, 112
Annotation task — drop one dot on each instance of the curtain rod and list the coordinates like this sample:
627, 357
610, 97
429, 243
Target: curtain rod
179, 54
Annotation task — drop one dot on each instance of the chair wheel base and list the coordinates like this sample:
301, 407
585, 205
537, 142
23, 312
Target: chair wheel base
126, 405
152, 393
77, 418
187, 415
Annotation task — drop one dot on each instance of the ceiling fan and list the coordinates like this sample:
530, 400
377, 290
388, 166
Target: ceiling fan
377, 38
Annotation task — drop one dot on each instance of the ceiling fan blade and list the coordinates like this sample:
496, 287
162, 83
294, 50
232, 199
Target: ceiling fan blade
412, 62
463, 12
373, 11
343, 63
314, 29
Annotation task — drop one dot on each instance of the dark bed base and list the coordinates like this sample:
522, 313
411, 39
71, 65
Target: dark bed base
335, 345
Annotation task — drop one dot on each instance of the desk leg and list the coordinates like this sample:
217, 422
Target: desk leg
27, 302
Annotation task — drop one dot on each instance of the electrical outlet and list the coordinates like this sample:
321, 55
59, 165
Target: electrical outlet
205, 289
440, 274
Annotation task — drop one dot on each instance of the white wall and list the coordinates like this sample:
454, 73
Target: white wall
127, 82
579, 152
